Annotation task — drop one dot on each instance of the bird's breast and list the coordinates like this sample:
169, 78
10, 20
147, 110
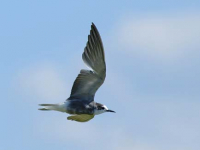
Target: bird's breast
78, 107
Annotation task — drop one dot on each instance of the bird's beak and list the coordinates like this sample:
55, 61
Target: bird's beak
110, 111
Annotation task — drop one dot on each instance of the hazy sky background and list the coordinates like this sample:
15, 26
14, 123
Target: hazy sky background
153, 74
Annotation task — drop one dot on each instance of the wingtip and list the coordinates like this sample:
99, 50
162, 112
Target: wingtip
93, 25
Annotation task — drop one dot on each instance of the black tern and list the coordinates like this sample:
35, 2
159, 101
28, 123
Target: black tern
81, 104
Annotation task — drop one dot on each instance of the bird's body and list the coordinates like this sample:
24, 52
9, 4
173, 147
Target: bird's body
76, 107
81, 103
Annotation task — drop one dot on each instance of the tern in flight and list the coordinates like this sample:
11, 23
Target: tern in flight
81, 104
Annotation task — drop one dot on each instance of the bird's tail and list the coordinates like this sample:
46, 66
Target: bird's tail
58, 107
48, 106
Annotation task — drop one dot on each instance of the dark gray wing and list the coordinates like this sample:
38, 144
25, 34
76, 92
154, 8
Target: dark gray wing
88, 81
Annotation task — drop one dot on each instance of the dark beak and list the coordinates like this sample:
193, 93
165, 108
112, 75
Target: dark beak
110, 111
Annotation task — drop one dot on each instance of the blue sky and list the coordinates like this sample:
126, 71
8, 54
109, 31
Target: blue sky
153, 56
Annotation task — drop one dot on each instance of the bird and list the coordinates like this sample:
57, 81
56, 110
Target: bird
81, 105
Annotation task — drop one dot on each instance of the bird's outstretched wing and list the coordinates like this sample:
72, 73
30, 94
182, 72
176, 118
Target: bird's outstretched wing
88, 81
81, 118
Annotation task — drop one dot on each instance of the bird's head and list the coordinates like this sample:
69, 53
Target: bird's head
101, 109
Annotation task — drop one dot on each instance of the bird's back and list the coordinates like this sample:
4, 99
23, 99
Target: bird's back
79, 106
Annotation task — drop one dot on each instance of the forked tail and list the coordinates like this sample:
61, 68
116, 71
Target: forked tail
48, 106
58, 107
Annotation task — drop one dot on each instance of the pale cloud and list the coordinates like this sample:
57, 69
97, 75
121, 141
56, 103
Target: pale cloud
160, 36
89, 135
42, 81
163, 126
59, 129
134, 146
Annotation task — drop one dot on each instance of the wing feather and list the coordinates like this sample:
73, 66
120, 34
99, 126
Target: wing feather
88, 81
